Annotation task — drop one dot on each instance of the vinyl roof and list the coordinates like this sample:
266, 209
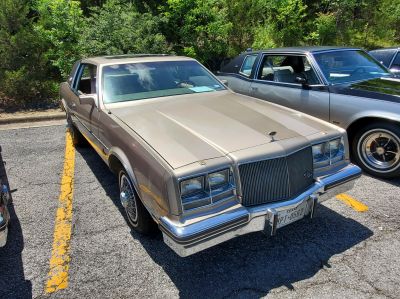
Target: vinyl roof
308, 49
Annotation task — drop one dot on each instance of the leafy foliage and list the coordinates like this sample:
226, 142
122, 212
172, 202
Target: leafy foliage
60, 26
40, 39
117, 28
25, 76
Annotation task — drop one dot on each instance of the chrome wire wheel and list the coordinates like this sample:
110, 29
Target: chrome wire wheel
380, 150
128, 199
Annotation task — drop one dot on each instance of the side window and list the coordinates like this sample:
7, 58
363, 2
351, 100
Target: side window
396, 63
383, 56
285, 69
247, 65
85, 82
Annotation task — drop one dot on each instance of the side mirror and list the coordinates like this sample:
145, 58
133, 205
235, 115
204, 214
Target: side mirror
69, 81
88, 99
301, 80
225, 82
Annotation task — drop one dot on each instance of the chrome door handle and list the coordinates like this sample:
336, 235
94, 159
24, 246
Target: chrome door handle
254, 88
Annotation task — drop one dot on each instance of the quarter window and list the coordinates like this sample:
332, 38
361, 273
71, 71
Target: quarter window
383, 56
247, 65
396, 63
286, 68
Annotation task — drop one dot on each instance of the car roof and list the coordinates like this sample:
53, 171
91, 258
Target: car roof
133, 58
388, 48
308, 49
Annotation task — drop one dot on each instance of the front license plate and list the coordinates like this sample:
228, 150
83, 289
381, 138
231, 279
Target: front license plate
288, 216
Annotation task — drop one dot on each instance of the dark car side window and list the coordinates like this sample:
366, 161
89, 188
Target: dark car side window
86, 81
247, 65
396, 63
286, 68
383, 56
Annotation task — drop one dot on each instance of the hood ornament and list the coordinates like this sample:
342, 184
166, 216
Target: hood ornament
272, 134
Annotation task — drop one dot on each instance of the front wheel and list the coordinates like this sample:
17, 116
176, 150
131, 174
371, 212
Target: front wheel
77, 138
138, 217
376, 148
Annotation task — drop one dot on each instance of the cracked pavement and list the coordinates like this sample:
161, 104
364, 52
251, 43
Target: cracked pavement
339, 254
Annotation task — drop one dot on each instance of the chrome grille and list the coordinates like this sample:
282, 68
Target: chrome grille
276, 179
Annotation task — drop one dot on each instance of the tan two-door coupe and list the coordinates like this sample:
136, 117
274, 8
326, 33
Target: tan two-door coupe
199, 161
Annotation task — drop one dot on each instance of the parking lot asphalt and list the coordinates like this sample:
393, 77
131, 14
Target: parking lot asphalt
342, 253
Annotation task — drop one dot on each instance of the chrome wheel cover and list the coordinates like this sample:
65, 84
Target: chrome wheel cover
125, 186
379, 150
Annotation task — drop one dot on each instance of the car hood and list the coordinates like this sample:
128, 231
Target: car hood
387, 89
189, 128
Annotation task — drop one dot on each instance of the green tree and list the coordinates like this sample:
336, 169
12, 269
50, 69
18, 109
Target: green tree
117, 28
25, 74
283, 25
60, 24
198, 29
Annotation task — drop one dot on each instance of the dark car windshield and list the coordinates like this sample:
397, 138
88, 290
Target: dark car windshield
349, 65
137, 81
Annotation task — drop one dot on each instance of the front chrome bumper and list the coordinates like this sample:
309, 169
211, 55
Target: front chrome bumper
239, 220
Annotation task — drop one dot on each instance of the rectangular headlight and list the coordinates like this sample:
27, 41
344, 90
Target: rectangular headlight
218, 179
336, 147
328, 153
200, 191
321, 154
192, 186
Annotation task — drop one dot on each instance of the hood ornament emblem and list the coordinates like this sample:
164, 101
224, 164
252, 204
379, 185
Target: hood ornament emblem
272, 134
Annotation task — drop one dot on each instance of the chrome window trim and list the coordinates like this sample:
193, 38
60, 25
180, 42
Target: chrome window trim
244, 60
311, 60
396, 53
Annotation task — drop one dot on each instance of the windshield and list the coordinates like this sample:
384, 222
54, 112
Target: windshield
346, 66
137, 81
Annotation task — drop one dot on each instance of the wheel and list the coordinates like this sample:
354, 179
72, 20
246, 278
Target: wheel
376, 149
138, 217
77, 138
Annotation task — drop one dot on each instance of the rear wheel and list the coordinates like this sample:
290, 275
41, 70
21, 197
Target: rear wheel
376, 148
138, 217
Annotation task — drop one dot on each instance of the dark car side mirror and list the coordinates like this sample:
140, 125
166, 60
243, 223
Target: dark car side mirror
87, 99
301, 80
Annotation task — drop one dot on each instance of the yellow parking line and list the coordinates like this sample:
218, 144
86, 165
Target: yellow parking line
353, 203
59, 261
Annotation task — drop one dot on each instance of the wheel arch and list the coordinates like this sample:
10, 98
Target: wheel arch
357, 124
118, 159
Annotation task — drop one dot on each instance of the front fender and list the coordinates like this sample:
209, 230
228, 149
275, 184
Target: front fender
120, 155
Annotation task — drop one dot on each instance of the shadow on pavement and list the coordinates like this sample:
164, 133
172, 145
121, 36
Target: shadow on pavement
12, 278
251, 265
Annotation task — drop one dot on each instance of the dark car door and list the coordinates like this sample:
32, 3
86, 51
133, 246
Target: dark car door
290, 80
238, 73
